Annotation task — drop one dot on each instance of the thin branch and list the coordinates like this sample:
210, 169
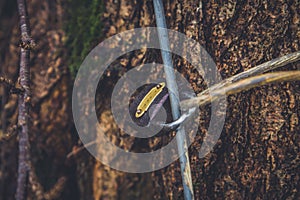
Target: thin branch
7, 81
38, 189
76, 149
15, 89
267, 66
24, 99
11, 132
56, 190
244, 84
36, 186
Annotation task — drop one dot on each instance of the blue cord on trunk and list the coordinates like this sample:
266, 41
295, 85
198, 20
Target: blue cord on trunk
174, 96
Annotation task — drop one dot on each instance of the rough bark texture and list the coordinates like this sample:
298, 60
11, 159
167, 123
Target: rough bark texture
257, 155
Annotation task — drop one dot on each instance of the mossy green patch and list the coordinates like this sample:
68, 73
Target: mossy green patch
83, 29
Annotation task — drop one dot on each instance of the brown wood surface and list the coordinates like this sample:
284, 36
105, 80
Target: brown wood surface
257, 155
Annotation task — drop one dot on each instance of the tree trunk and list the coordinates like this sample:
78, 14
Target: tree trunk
257, 155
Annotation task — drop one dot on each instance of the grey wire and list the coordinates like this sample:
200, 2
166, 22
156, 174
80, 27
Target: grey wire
175, 106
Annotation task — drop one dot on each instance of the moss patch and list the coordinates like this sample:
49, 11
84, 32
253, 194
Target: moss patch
83, 28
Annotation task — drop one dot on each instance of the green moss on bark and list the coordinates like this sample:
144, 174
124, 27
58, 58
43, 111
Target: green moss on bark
83, 29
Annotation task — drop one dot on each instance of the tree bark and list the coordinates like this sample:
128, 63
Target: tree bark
257, 154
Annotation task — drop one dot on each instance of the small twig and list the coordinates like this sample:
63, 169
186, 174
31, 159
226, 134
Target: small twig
27, 43
38, 189
11, 132
36, 186
267, 66
56, 190
76, 150
244, 84
14, 89
7, 81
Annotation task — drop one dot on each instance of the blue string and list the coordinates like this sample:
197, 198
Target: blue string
174, 97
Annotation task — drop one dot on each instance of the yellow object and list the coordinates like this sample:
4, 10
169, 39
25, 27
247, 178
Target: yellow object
148, 99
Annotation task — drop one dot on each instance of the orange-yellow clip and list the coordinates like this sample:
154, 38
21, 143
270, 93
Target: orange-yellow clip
148, 99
